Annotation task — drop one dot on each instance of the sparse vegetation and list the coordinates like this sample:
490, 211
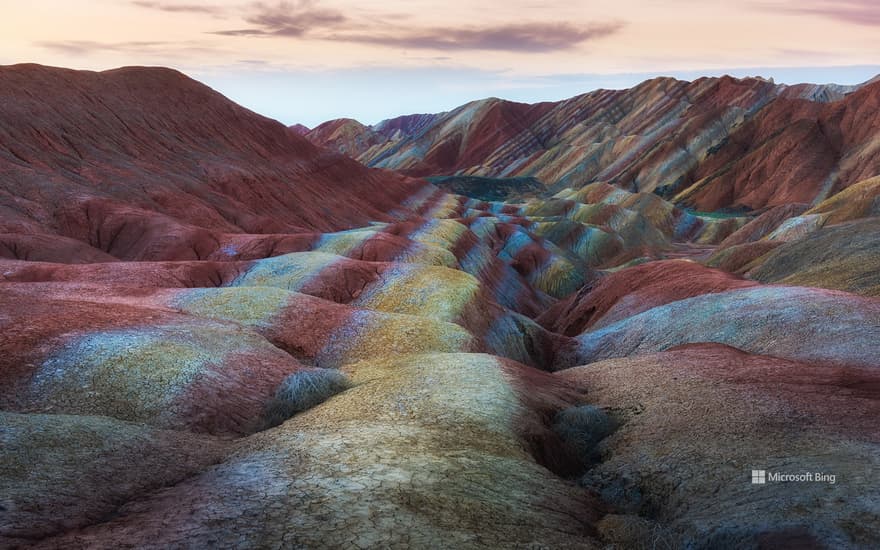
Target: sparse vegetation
637, 533
582, 428
490, 189
303, 390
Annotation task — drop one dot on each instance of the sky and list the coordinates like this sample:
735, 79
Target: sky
307, 61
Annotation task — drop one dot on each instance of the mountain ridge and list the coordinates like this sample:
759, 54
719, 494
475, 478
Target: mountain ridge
656, 136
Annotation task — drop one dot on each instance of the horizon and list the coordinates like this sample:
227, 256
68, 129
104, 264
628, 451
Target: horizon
855, 77
308, 61
740, 74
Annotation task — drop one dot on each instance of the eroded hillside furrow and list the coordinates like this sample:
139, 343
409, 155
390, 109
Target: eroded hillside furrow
439, 429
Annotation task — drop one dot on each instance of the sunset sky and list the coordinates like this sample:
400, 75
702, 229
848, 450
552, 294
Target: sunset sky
311, 60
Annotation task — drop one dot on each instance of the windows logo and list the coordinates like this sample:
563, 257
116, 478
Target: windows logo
759, 477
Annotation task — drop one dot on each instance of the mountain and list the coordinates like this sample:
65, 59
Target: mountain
300, 129
146, 163
710, 144
215, 334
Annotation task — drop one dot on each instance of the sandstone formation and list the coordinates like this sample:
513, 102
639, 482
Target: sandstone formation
708, 144
214, 333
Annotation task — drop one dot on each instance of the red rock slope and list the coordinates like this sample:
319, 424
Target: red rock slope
145, 163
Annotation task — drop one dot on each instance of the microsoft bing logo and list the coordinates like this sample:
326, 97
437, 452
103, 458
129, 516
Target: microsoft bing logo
761, 477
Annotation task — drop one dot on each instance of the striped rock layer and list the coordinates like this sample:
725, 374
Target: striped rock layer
714, 143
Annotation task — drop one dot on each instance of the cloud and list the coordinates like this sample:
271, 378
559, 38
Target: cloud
533, 37
242, 32
82, 47
291, 19
179, 8
858, 12
306, 19
150, 49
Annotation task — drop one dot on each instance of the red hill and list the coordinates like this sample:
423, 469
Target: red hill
153, 158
